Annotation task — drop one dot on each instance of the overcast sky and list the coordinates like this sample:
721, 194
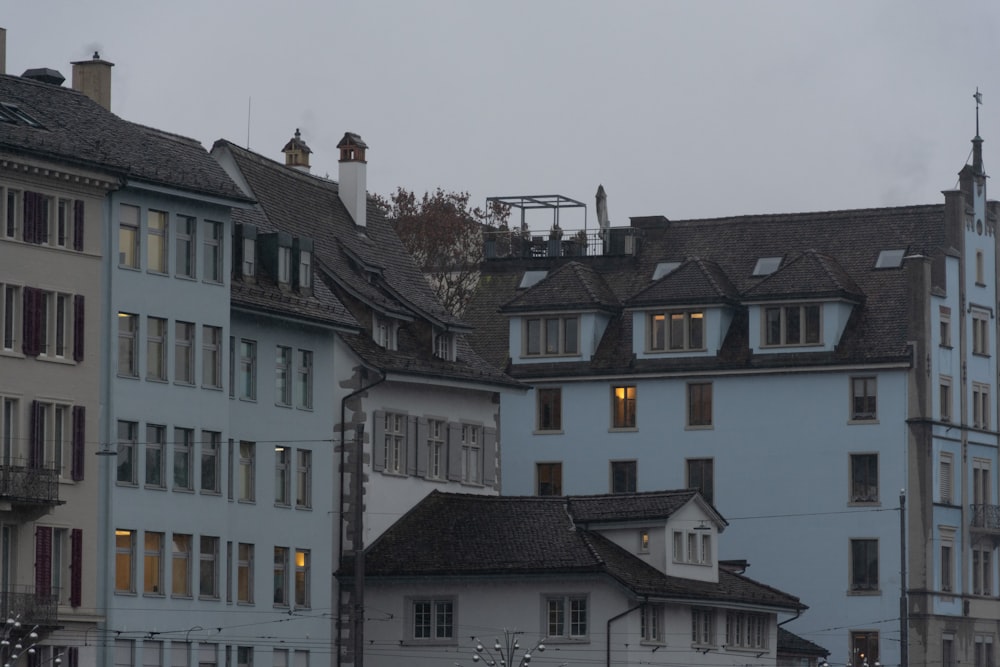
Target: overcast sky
682, 109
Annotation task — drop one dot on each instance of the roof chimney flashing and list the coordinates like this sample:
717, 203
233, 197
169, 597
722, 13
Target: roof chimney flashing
353, 185
93, 79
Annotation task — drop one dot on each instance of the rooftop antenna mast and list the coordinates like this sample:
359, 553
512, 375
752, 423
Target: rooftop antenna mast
979, 101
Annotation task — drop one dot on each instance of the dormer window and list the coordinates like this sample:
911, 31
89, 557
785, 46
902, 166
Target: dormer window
249, 257
676, 331
792, 325
444, 346
305, 269
284, 265
384, 332
551, 336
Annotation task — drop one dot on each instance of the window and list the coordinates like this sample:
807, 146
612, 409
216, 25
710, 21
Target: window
699, 395
184, 352
551, 336
384, 332
156, 348
948, 650
664, 269
678, 546
623, 407
283, 376
152, 566
303, 380
444, 346
208, 567
248, 369
12, 214
863, 399
249, 257
947, 559
890, 259
703, 626
184, 262
211, 350
530, 278
792, 325
305, 269
980, 332
566, 617
944, 393
864, 646
864, 478
8, 430
248, 465
180, 566
549, 409
623, 476
302, 597
213, 251
981, 485
644, 541
211, 444
983, 651
244, 573
765, 266
156, 241
746, 630
982, 570
676, 331
394, 441
284, 265
549, 479
303, 479
980, 272
128, 362
281, 576
124, 653
435, 449
183, 448
945, 479
11, 307
434, 620
981, 406
126, 459
864, 565
244, 656
128, 237
706, 549
944, 322
124, 561
471, 454
282, 474
651, 620
701, 476
155, 443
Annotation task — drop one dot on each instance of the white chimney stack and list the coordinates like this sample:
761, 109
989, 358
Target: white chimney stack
353, 182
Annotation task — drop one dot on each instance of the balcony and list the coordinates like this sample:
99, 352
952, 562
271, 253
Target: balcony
985, 520
557, 242
31, 609
22, 485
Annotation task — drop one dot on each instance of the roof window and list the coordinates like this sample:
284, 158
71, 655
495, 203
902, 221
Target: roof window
890, 259
10, 113
766, 266
664, 268
531, 278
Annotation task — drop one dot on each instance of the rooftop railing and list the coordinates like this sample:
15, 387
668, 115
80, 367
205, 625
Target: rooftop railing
558, 242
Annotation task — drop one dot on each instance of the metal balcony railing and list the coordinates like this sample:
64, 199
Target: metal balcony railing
25, 485
985, 517
559, 242
23, 603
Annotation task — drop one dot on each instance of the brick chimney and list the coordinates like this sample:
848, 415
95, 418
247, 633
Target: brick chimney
353, 185
93, 79
297, 153
3, 50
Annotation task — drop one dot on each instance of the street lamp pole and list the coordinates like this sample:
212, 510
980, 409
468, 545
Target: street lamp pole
903, 607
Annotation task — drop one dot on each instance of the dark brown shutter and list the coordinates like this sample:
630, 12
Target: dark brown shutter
28, 217
489, 455
73, 654
423, 451
378, 441
411, 445
78, 224
78, 327
43, 562
78, 447
76, 568
36, 447
29, 322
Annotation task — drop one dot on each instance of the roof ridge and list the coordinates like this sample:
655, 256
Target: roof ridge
266, 161
837, 213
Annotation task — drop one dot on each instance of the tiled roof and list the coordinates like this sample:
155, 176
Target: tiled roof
366, 268
572, 286
696, 281
77, 130
628, 507
489, 535
789, 643
809, 275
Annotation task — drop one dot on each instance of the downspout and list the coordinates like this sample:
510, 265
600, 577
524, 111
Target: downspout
798, 612
608, 630
340, 513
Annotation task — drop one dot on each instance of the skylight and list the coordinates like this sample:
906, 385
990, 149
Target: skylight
531, 277
12, 114
890, 259
766, 266
664, 268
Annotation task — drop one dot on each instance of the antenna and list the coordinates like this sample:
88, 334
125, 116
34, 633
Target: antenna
250, 99
979, 100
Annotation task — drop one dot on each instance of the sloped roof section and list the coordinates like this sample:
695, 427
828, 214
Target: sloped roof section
77, 130
572, 286
696, 281
809, 275
628, 506
790, 643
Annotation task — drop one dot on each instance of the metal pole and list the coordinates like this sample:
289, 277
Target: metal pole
903, 620
359, 547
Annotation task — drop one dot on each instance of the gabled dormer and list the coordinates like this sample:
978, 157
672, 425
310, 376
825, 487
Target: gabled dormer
559, 316
803, 306
686, 311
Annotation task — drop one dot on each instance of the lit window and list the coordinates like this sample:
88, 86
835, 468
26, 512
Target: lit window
863, 399
623, 406
551, 336
676, 331
156, 241
792, 325
128, 363
152, 567
549, 409
549, 479
302, 597
128, 237
124, 561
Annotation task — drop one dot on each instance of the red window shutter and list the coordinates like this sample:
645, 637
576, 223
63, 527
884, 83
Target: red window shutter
78, 224
43, 562
78, 327
29, 322
36, 448
79, 447
75, 569
28, 217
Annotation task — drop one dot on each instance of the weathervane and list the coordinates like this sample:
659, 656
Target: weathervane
979, 100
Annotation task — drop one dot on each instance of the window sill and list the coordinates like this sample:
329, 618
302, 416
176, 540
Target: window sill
945, 347
246, 501
304, 408
283, 506
154, 487
623, 429
983, 355
127, 485
865, 593
547, 432
157, 380
209, 598
127, 377
654, 642
304, 508
431, 642
856, 422
567, 640
153, 595
180, 276
12, 353
126, 267
208, 387
248, 399
699, 427
864, 503
283, 405
210, 492
677, 351
745, 649
244, 603
182, 489
162, 274
57, 360
130, 594
176, 596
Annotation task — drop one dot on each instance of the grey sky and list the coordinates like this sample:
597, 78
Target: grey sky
685, 109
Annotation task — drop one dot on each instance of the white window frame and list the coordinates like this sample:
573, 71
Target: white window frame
567, 342
157, 235
186, 240
247, 471
303, 479
152, 563
783, 312
248, 369
980, 332
472, 454
661, 336
128, 345
304, 380
181, 545
208, 558
394, 443
437, 460
283, 376
11, 314
567, 627
429, 613
282, 475
211, 357
651, 623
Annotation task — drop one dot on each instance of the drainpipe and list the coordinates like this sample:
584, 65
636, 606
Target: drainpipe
358, 495
608, 631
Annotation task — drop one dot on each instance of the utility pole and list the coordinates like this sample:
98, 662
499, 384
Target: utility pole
358, 609
903, 607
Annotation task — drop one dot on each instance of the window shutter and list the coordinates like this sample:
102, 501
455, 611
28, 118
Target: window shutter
454, 451
43, 562
411, 445
28, 217
78, 224
78, 321
489, 455
73, 655
946, 481
79, 431
76, 568
422, 450
378, 441
36, 448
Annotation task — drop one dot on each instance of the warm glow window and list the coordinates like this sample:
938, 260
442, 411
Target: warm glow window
676, 331
623, 406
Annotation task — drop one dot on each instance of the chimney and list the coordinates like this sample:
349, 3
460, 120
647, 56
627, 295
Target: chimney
297, 153
93, 79
3, 50
353, 185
